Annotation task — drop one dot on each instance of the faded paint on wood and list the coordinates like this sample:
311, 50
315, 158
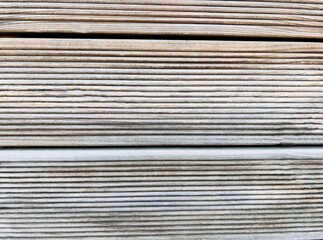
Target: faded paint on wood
63, 92
283, 19
169, 193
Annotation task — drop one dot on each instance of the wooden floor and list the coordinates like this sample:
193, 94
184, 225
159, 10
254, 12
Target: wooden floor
159, 119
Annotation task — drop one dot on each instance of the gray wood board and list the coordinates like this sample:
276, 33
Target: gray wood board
64, 92
279, 18
161, 193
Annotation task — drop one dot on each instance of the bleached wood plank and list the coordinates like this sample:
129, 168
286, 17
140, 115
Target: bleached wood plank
64, 92
222, 193
286, 19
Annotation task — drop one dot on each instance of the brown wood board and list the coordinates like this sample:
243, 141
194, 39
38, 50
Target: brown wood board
168, 193
275, 19
64, 92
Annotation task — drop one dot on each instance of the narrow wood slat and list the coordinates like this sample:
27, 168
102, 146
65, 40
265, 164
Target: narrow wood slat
161, 193
65, 92
285, 19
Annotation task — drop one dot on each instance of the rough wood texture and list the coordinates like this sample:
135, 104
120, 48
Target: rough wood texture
170, 193
278, 18
136, 92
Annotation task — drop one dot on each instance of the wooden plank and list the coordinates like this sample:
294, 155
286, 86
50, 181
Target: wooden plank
161, 193
279, 18
64, 92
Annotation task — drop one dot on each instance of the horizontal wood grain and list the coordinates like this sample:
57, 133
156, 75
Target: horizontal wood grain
64, 92
161, 193
279, 18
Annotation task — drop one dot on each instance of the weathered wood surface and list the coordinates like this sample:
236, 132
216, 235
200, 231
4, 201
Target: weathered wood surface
140, 92
278, 18
170, 193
